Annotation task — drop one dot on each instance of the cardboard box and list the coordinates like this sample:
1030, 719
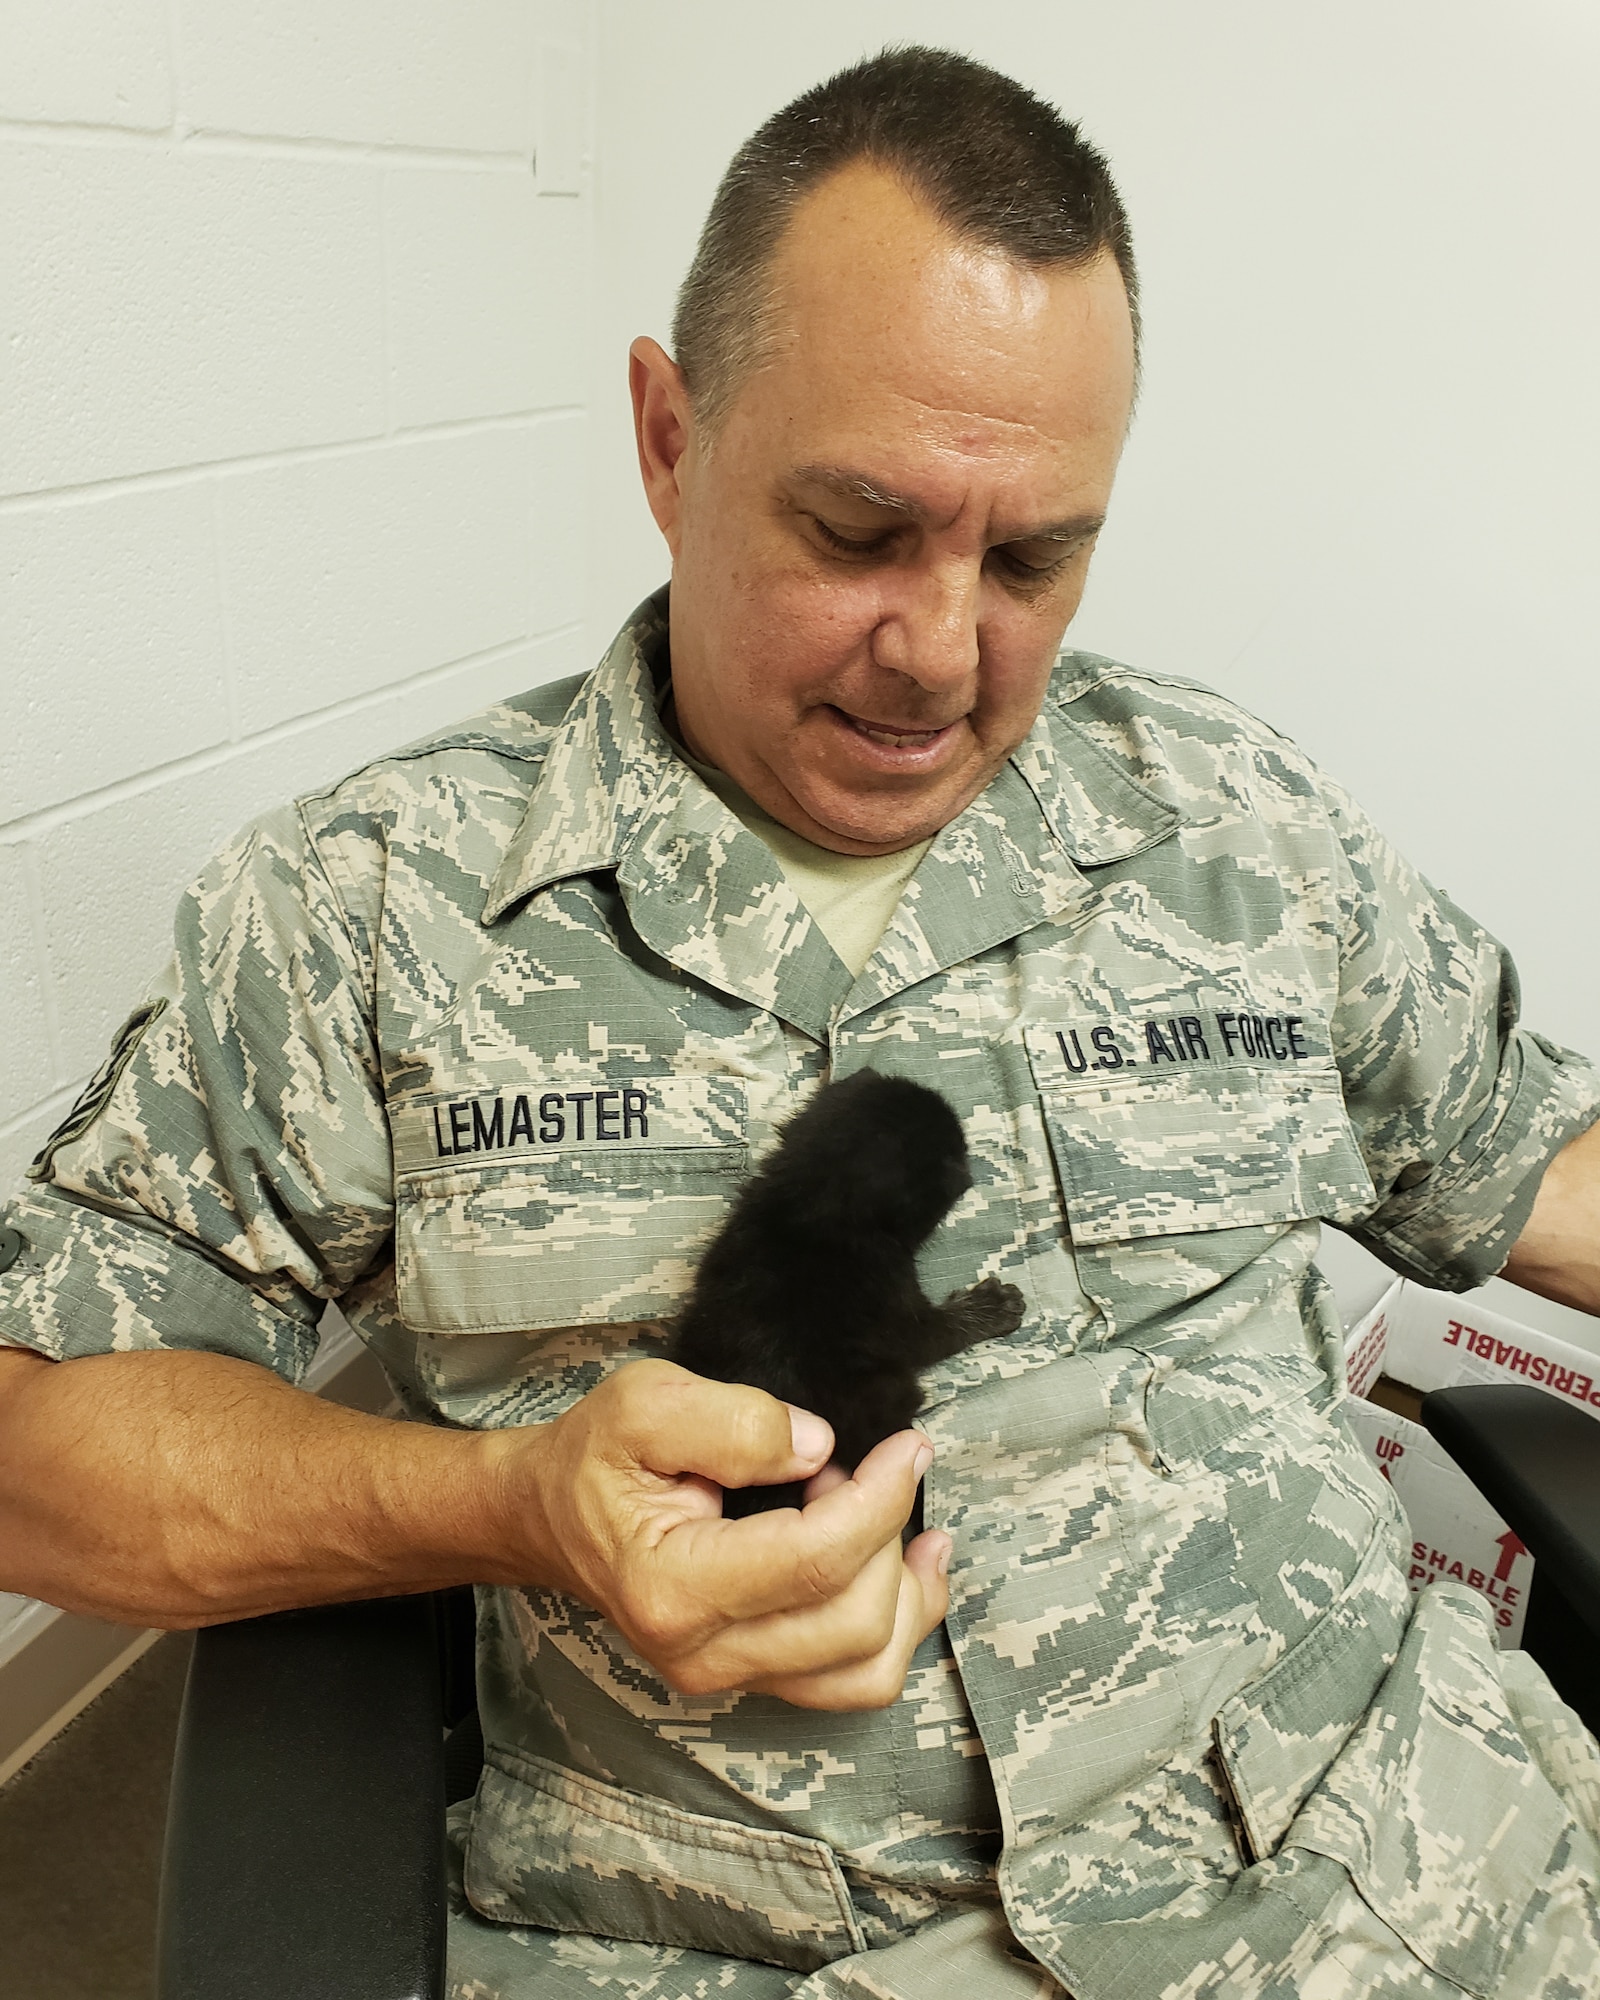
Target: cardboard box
1428, 1341
1366, 1343
1436, 1340
1455, 1532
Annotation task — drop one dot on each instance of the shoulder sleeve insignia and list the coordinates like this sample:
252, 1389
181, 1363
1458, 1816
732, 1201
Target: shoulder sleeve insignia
96, 1093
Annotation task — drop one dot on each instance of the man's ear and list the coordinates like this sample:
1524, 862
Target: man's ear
663, 429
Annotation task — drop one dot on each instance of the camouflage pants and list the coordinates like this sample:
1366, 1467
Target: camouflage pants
1340, 1949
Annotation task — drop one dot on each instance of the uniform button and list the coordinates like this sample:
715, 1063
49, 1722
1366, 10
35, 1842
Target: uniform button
11, 1247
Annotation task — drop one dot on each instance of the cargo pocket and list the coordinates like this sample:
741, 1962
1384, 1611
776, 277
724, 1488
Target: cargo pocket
1174, 1181
569, 1853
1275, 1738
581, 1231
1434, 1807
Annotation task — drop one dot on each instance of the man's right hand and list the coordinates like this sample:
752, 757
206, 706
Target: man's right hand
617, 1504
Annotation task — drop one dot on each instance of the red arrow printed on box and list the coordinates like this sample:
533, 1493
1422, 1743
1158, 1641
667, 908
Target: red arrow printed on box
1511, 1545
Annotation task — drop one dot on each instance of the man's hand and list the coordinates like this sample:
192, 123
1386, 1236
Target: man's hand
619, 1499
182, 1489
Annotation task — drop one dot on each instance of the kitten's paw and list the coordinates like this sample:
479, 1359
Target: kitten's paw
987, 1311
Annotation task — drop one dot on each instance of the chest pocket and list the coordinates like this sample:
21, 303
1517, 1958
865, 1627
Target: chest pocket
576, 1212
1172, 1180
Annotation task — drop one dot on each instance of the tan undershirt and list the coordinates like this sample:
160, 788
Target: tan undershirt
851, 896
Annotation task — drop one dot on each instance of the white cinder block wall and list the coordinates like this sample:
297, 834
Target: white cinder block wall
292, 383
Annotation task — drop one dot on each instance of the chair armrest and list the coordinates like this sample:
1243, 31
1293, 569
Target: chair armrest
305, 1836
1537, 1462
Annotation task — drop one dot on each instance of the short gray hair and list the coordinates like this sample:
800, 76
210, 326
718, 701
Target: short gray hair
993, 161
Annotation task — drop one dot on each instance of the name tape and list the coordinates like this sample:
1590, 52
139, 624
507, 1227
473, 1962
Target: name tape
542, 1118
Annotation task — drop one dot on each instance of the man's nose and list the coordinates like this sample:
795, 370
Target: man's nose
929, 627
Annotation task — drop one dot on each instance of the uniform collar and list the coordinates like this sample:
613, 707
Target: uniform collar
1095, 810
708, 895
603, 773
701, 891
1016, 857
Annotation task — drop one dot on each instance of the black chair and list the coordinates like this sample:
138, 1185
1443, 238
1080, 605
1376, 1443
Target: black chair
318, 1749
1537, 1463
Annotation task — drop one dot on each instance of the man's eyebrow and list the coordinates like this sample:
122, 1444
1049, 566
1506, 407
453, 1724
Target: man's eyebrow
1075, 529
854, 486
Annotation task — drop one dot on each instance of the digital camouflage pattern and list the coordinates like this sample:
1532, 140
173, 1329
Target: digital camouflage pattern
480, 1042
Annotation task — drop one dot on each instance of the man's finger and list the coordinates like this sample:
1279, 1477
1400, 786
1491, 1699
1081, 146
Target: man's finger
672, 1422
832, 1474
787, 1561
875, 1682
854, 1626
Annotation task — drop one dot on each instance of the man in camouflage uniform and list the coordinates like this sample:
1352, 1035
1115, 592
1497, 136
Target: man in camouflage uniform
481, 1040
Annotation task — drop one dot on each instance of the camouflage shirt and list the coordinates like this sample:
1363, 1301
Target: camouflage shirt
480, 1041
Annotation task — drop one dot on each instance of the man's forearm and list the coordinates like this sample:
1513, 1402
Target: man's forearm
182, 1489
1558, 1253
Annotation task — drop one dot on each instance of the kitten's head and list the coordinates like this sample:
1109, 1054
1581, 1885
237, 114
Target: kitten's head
874, 1153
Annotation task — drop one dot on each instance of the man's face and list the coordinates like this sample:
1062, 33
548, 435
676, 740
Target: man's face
875, 560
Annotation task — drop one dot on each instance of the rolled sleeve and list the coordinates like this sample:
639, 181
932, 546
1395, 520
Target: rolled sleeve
228, 1170
91, 1282
1457, 1109
1458, 1226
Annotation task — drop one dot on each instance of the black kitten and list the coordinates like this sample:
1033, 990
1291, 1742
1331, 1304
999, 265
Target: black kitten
810, 1291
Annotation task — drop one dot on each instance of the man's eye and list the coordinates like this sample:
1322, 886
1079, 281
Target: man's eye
1028, 567
851, 545
1037, 563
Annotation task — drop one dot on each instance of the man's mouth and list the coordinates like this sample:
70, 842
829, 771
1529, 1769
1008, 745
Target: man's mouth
896, 735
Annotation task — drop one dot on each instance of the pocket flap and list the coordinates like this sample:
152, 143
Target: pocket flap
1209, 1148
570, 1853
